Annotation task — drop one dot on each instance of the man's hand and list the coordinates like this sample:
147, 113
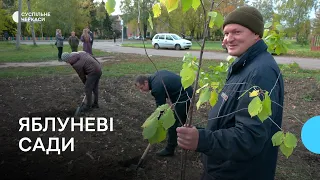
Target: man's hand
188, 137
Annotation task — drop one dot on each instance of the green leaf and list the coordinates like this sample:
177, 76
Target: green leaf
149, 120
195, 4
215, 85
186, 5
204, 97
155, 115
167, 119
267, 103
290, 140
187, 77
172, 5
230, 59
151, 128
265, 32
266, 108
263, 115
268, 25
277, 138
213, 98
156, 10
110, 5
255, 106
279, 27
278, 51
159, 136
198, 104
150, 21
216, 19
286, 150
163, 107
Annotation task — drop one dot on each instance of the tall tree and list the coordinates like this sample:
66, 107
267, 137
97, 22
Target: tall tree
32, 27
138, 8
266, 7
19, 25
101, 21
316, 24
295, 13
6, 22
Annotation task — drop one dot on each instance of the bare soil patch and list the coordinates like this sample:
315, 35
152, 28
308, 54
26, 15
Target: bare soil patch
106, 155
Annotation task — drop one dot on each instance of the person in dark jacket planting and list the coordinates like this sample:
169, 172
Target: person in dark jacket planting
158, 83
89, 71
234, 145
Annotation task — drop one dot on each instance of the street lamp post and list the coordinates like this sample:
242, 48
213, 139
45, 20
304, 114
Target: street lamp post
121, 23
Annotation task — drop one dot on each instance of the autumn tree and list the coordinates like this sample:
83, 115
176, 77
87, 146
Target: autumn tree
316, 24
266, 7
131, 8
6, 22
295, 13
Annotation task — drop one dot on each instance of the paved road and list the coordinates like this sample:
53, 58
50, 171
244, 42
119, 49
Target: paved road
306, 63
109, 46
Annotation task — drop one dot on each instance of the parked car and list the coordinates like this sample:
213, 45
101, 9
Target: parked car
169, 40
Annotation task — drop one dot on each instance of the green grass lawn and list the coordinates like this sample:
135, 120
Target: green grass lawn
294, 49
138, 65
30, 53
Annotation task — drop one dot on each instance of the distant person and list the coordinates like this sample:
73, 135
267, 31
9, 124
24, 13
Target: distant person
73, 42
59, 43
89, 70
6, 35
114, 37
86, 39
91, 36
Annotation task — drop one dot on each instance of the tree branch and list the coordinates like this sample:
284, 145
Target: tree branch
190, 112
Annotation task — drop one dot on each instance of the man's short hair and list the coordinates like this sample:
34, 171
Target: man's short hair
141, 79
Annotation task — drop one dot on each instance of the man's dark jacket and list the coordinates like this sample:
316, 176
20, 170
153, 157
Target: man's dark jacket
173, 85
237, 146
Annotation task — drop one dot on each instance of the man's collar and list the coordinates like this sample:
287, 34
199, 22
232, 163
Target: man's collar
252, 52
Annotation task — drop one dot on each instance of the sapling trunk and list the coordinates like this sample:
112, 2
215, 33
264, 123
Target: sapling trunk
190, 112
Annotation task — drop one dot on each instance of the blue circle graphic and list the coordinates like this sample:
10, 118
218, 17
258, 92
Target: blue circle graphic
310, 134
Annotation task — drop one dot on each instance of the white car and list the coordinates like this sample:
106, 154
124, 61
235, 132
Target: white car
169, 40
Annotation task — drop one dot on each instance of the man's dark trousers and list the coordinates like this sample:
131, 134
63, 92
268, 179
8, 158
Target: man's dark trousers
181, 111
92, 85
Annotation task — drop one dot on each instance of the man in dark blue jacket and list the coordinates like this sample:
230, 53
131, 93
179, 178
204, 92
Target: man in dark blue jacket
235, 146
158, 84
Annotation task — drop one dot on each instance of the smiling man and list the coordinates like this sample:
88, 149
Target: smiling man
234, 145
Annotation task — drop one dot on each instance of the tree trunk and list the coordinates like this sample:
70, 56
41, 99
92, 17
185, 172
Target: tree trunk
32, 28
183, 31
145, 29
19, 25
192, 32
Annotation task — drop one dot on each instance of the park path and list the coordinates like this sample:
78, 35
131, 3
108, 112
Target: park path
110, 46
48, 63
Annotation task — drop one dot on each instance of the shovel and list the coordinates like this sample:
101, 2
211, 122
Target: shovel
79, 107
142, 158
